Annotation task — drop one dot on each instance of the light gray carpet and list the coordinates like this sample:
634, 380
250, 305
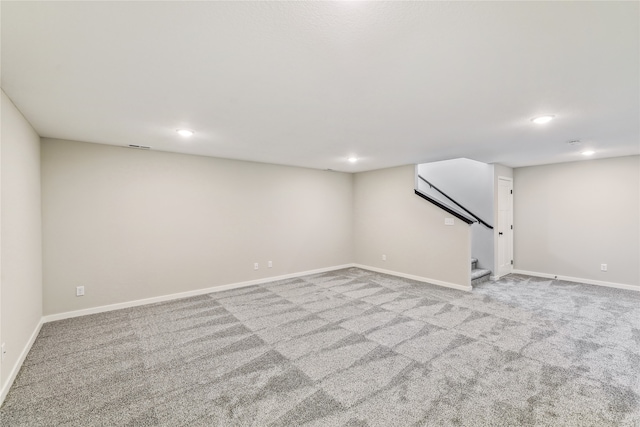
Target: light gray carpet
346, 348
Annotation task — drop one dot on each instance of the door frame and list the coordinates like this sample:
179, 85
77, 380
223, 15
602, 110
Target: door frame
509, 231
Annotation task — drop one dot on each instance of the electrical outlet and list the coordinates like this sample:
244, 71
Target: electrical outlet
270, 264
79, 291
3, 350
448, 221
384, 257
256, 266
603, 267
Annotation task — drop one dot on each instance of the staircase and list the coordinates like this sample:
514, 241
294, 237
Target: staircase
478, 275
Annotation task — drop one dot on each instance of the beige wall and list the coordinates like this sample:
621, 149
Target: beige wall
20, 235
572, 217
390, 219
130, 224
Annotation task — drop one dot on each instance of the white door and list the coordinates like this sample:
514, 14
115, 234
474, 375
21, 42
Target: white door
505, 226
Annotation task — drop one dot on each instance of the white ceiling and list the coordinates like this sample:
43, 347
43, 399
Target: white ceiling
312, 83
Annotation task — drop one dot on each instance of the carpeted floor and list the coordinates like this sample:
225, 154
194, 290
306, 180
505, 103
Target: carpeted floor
345, 348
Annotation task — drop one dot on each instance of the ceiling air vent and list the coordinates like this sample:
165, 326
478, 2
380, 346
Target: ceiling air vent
139, 147
574, 142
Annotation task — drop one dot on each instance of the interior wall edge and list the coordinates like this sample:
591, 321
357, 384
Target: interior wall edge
21, 239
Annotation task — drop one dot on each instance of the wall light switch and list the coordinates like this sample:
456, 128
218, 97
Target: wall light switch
256, 266
79, 291
603, 267
448, 221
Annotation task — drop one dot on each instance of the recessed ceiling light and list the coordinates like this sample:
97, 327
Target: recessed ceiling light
588, 153
353, 159
540, 120
185, 132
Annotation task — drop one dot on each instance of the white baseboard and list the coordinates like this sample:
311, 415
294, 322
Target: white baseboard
16, 368
417, 278
579, 280
135, 303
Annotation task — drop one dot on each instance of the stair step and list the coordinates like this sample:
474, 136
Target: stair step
479, 275
479, 272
